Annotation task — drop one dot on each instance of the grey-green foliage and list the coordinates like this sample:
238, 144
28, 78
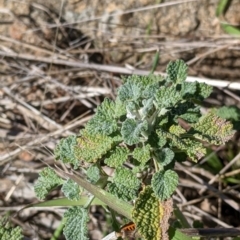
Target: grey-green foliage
142, 154
9, 233
125, 184
177, 71
231, 113
64, 151
93, 174
76, 224
71, 190
164, 183
116, 157
140, 130
47, 181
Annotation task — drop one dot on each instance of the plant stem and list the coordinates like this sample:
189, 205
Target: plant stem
58, 231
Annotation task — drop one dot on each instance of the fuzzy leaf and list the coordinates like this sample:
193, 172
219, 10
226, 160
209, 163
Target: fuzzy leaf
167, 97
71, 190
64, 151
177, 130
194, 149
47, 181
130, 91
76, 224
142, 154
105, 120
125, 184
151, 216
132, 130
212, 129
147, 108
164, 183
90, 148
192, 115
9, 233
203, 91
164, 156
188, 89
93, 174
116, 157
229, 113
157, 139
195, 90
177, 71
139, 87
187, 111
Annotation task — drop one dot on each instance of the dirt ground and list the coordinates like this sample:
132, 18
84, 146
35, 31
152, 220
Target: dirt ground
59, 59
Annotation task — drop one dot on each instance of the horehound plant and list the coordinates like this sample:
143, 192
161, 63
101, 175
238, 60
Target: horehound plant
153, 123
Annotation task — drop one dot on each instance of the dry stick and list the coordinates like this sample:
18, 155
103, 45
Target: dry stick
122, 70
185, 183
67, 98
216, 220
10, 192
201, 56
29, 46
33, 113
223, 171
208, 186
231, 94
212, 232
202, 212
8, 156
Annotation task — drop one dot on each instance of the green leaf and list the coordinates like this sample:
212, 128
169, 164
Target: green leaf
71, 190
132, 130
228, 28
192, 115
104, 121
147, 109
188, 89
167, 97
157, 139
93, 174
116, 157
91, 148
76, 224
177, 130
203, 91
65, 202
164, 156
47, 181
142, 154
194, 149
164, 183
229, 113
221, 7
130, 91
151, 216
212, 129
64, 151
155, 62
137, 88
125, 184
113, 202
9, 233
177, 71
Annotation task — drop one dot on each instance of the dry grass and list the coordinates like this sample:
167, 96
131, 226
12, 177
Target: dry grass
53, 77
